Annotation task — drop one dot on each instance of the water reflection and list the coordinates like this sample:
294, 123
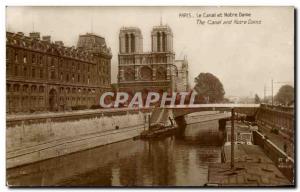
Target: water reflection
162, 162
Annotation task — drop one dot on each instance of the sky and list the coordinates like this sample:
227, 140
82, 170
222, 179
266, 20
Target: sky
245, 57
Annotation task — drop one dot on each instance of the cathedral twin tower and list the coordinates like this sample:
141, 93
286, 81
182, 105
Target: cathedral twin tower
131, 39
139, 70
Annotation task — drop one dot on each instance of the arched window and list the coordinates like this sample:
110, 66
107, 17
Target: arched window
24, 59
127, 43
16, 57
16, 87
25, 88
132, 38
41, 89
158, 41
52, 75
164, 42
33, 88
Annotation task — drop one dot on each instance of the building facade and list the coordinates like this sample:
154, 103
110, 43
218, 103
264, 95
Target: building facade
182, 80
145, 71
47, 76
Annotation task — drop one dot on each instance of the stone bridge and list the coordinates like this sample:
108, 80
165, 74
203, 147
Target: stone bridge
247, 109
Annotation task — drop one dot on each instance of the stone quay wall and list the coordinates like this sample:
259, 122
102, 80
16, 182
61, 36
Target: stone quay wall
32, 139
284, 163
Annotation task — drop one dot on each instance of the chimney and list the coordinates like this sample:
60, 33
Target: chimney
59, 43
20, 33
35, 35
47, 38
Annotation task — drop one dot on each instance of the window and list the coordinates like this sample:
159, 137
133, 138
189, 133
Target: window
33, 73
132, 43
52, 62
78, 78
127, 43
164, 42
52, 76
33, 58
24, 59
33, 88
67, 78
41, 89
73, 77
16, 57
16, 71
7, 55
25, 72
25, 88
158, 41
8, 87
41, 73
16, 87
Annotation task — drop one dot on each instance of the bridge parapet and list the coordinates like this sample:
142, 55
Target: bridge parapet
247, 109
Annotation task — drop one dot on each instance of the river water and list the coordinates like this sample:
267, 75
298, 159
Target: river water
180, 160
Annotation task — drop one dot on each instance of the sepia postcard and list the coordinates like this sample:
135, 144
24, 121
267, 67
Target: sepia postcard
169, 96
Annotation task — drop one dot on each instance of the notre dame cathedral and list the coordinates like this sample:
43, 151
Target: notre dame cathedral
150, 71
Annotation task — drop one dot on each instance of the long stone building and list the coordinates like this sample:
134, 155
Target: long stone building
145, 71
42, 75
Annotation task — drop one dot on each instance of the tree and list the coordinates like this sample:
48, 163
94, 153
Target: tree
285, 95
209, 88
256, 99
226, 100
